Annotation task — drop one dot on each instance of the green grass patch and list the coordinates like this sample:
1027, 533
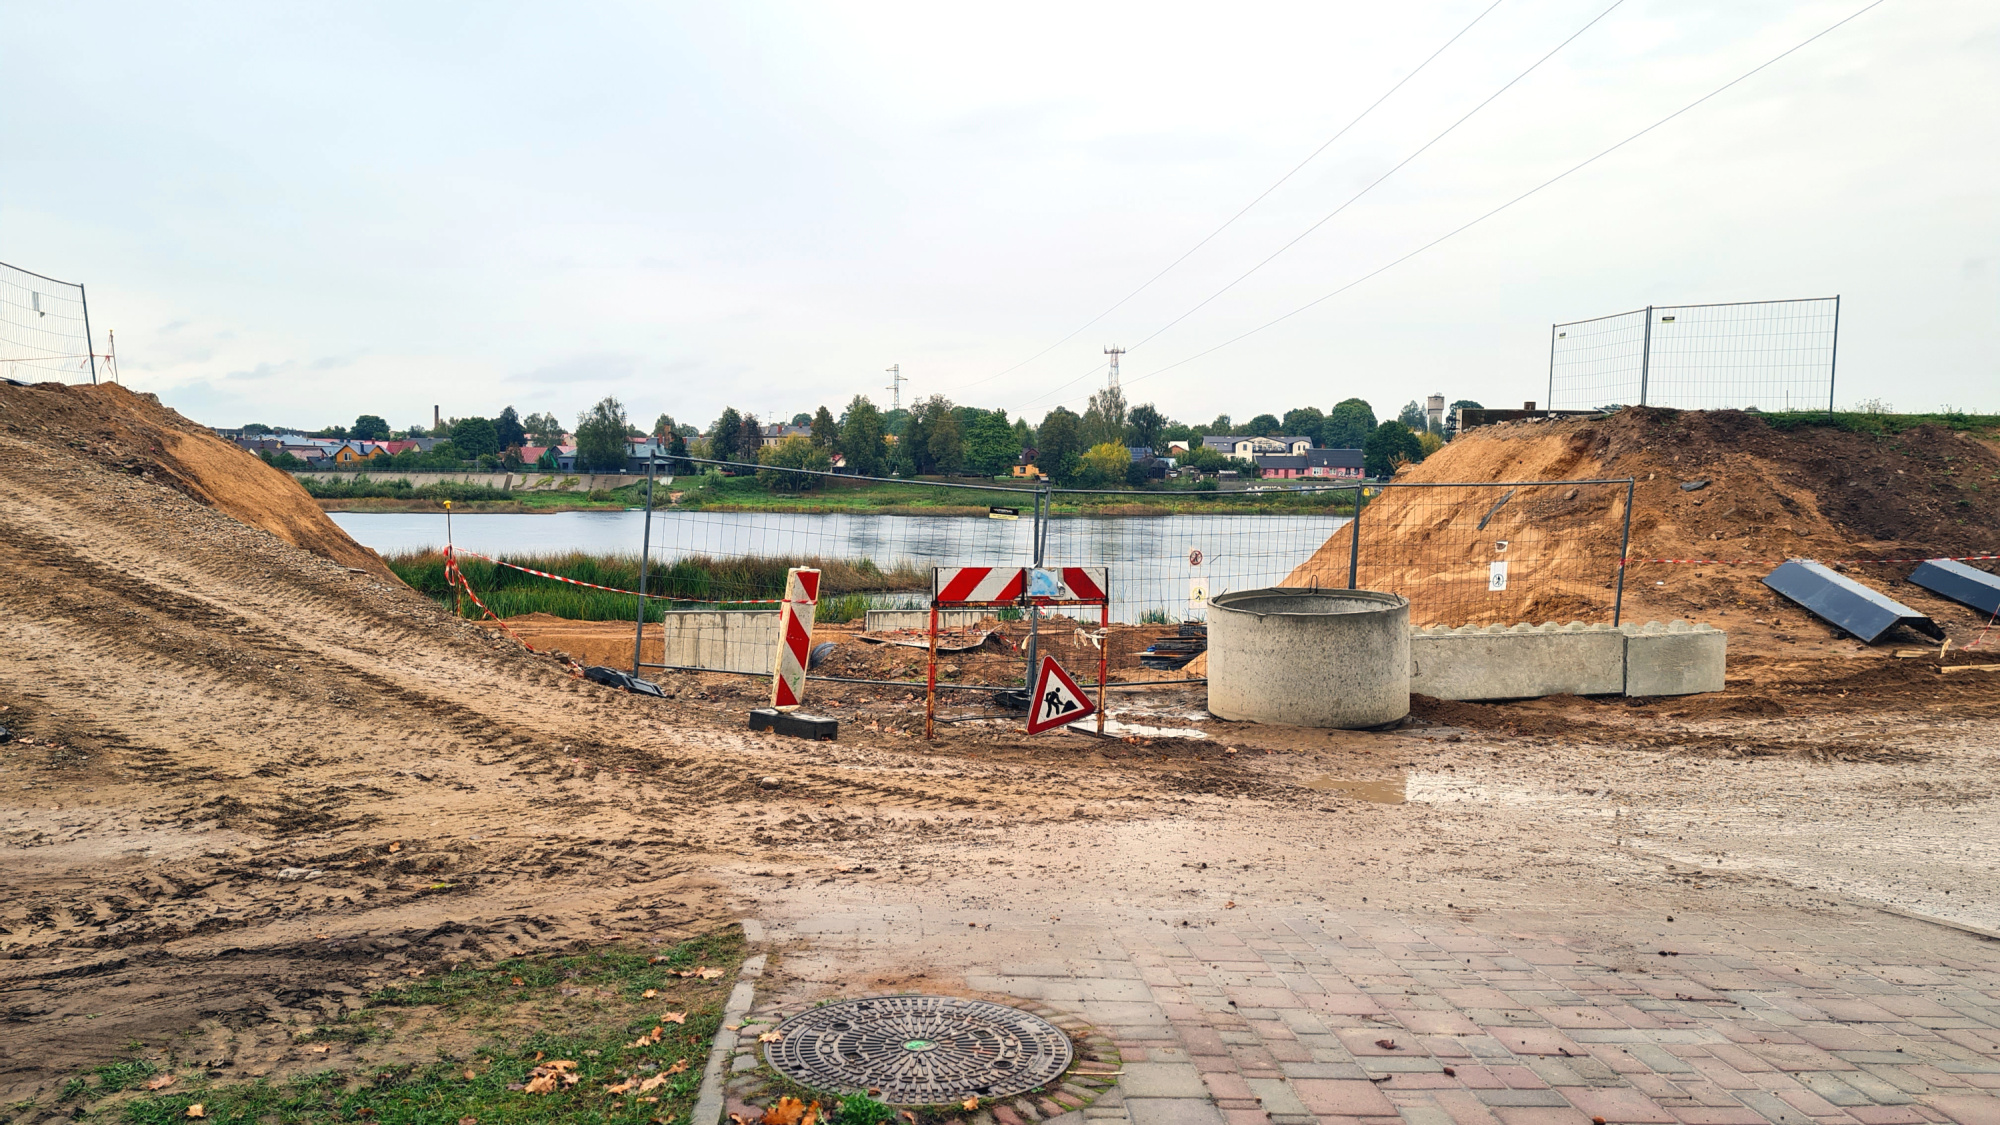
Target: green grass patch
1882, 425
585, 1015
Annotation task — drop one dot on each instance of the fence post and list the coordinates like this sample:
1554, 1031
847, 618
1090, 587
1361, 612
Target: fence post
90, 347
1354, 538
1833, 359
645, 556
930, 672
1624, 549
1040, 537
1550, 402
1646, 356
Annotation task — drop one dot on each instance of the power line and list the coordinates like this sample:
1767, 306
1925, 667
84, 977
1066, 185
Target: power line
1372, 185
1531, 191
1227, 223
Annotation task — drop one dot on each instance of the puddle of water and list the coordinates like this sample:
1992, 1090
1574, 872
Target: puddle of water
1140, 730
1382, 790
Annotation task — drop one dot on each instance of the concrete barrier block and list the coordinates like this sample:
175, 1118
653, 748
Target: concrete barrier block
1517, 662
723, 640
879, 620
1674, 659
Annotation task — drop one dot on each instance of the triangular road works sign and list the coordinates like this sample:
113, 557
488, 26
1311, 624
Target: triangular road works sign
1058, 700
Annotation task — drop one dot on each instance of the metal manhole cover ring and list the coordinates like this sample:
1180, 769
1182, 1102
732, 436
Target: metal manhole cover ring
920, 1050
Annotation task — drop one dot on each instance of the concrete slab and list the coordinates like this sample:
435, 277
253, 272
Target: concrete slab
1674, 659
1517, 662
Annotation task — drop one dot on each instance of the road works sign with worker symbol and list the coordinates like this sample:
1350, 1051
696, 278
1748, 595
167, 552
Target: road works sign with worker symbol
1057, 700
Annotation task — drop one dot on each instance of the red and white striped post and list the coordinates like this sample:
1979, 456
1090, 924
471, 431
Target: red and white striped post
795, 638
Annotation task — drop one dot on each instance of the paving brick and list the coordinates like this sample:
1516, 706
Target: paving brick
1541, 1097
1831, 1089
1540, 1115
1535, 1041
1797, 1056
1617, 1104
1277, 1096
1172, 1111
1333, 1096
1719, 1115
1162, 1080
1886, 1115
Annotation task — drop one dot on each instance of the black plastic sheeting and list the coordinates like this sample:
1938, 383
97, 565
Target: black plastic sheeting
1844, 603
612, 677
1961, 583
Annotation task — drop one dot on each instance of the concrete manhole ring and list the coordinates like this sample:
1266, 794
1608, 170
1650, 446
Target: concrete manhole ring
920, 1050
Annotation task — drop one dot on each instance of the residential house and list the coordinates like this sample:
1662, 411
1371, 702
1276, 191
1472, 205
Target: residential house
1282, 466
311, 454
776, 432
1247, 447
1024, 466
1334, 464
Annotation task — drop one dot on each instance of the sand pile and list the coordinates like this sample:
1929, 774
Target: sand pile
133, 433
1812, 492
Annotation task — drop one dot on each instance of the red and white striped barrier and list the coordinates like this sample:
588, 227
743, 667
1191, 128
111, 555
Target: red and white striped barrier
795, 638
975, 585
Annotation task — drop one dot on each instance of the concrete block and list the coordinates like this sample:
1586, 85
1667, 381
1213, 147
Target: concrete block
723, 640
1517, 662
879, 620
1673, 659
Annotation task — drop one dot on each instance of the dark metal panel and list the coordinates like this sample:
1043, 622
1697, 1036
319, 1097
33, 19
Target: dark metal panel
1960, 583
1845, 603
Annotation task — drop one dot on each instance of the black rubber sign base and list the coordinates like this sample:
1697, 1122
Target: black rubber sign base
794, 723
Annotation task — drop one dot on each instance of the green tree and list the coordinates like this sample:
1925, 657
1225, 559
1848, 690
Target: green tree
475, 437
600, 437
1347, 425
724, 434
1263, 425
1222, 425
664, 426
1306, 421
991, 444
749, 438
1412, 415
509, 430
369, 427
544, 428
1391, 444
1202, 459
802, 420
1103, 464
825, 433
1104, 418
861, 438
1059, 444
1451, 416
1145, 423
794, 452
945, 444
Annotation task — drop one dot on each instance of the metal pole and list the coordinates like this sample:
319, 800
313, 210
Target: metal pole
1624, 548
87, 345
1549, 403
930, 678
451, 565
1354, 540
1035, 611
1646, 356
1834, 359
645, 556
1103, 657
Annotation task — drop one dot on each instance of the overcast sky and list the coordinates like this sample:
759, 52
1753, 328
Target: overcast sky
298, 213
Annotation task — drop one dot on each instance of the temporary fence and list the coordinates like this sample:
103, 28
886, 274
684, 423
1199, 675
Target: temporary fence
1766, 355
44, 329
1463, 553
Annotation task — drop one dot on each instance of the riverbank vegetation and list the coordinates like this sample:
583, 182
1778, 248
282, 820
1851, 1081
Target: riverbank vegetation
846, 585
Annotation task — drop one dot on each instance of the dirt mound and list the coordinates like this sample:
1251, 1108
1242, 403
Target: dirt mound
133, 433
1759, 495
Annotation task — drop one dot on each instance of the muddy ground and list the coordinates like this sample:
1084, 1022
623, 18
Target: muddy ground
245, 782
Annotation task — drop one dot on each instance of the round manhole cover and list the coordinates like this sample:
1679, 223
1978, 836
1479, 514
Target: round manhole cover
920, 1050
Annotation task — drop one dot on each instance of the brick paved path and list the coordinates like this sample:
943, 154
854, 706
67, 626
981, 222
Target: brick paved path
1359, 1016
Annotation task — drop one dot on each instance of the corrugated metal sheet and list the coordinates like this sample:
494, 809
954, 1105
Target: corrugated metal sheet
1844, 603
1960, 583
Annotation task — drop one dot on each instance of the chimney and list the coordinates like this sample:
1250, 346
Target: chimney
438, 420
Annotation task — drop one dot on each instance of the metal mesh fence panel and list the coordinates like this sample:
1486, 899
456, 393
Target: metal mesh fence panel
1486, 554
1766, 355
724, 571
1166, 562
44, 329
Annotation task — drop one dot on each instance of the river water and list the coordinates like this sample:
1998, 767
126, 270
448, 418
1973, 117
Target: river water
1161, 564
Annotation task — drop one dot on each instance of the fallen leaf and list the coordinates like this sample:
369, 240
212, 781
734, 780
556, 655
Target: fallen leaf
518, 981
323, 1048
655, 1082
541, 1084
196, 1110
970, 1103
649, 1101
788, 1111
1387, 1044
1229, 905
160, 1082
738, 1119
708, 974
646, 1038
470, 1074
908, 1116
676, 1017
1450, 1073
396, 847
624, 1087
649, 994
468, 1121
683, 1065
770, 1037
